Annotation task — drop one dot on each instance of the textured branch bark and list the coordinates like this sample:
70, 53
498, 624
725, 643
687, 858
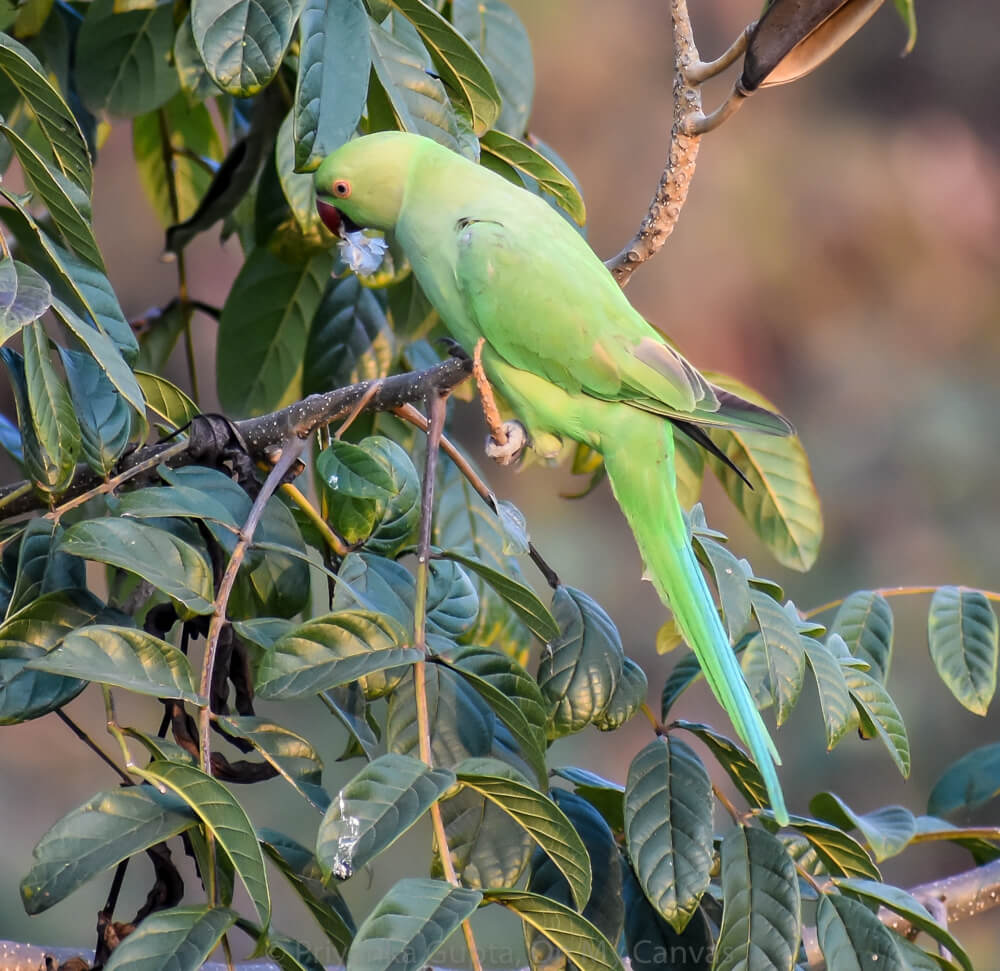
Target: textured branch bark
671, 193
267, 433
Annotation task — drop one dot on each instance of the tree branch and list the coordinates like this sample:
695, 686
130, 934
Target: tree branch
675, 181
262, 436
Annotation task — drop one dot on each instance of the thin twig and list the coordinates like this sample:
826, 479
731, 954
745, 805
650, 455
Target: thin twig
895, 592
682, 154
93, 746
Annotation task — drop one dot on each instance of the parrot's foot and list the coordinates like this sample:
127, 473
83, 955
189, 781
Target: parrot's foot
515, 438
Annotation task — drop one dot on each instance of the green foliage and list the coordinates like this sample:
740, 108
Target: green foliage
230, 105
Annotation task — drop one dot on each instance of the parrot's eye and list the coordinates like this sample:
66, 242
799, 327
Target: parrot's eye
342, 188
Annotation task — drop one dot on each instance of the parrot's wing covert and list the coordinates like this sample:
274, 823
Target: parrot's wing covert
547, 305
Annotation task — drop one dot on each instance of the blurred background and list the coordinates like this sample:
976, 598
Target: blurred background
839, 252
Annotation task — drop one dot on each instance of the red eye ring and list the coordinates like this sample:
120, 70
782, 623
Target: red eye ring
342, 189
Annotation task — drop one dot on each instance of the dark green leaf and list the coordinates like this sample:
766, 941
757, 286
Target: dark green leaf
738, 765
24, 294
331, 650
839, 854
685, 672
290, 754
629, 696
334, 63
297, 187
761, 924
123, 59
968, 783
165, 399
864, 621
852, 938
544, 822
350, 470
782, 507
962, 634
40, 568
887, 831
786, 661
125, 657
607, 797
170, 564
731, 582
909, 908
409, 924
386, 798
55, 119
195, 79
224, 818
457, 63
349, 704
496, 31
97, 835
880, 715
241, 42
571, 933
299, 867
668, 827
520, 597
523, 158
839, 714
580, 669
263, 330
179, 939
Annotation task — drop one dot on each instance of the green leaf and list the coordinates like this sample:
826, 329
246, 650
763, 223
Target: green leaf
668, 827
55, 118
300, 868
297, 187
104, 415
607, 797
908, 14
40, 568
523, 158
182, 129
350, 339
888, 830
839, 714
685, 672
496, 32
24, 294
167, 562
786, 661
513, 695
908, 907
263, 330
123, 59
761, 924
880, 715
571, 933
105, 830
730, 581
962, 634
224, 818
166, 400
124, 657
970, 782
543, 821
350, 470
579, 669
738, 765
291, 755
53, 419
386, 798
334, 64
195, 79
782, 507
329, 651
629, 696
852, 938
241, 42
521, 598
409, 924
840, 854
459, 66
157, 502
411, 98
864, 621
178, 939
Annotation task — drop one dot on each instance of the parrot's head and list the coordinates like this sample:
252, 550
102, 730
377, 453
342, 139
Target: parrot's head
361, 184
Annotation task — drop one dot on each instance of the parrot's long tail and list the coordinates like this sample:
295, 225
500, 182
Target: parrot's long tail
639, 460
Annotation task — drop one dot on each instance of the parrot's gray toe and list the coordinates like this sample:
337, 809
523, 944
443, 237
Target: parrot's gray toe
510, 451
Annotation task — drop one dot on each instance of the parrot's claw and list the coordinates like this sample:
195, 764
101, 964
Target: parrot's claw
510, 451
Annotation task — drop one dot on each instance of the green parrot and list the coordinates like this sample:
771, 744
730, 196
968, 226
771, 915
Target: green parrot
568, 353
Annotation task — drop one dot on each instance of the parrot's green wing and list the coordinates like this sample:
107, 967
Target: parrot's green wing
546, 305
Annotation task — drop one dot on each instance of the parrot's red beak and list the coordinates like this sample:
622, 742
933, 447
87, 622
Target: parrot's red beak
331, 217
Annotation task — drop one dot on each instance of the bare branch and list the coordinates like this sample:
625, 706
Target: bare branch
263, 435
675, 181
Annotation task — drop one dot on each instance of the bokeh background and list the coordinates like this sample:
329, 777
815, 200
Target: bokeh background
838, 251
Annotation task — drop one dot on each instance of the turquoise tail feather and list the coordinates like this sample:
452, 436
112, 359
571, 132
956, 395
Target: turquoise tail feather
638, 456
